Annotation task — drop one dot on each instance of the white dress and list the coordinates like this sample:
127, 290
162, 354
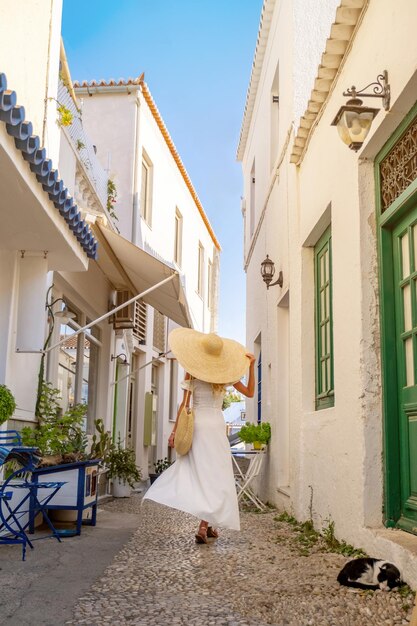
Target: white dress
202, 482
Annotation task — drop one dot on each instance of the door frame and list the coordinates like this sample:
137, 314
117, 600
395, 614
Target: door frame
386, 223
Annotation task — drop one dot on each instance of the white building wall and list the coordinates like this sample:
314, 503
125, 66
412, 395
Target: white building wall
30, 38
335, 454
110, 120
348, 437
121, 147
29, 53
268, 311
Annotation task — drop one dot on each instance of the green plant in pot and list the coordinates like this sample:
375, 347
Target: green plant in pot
160, 466
121, 463
60, 437
7, 404
257, 434
101, 445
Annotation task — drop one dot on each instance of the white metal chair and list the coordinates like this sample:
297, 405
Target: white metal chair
245, 478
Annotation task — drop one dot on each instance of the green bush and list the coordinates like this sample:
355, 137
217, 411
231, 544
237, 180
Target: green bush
7, 404
102, 443
57, 433
122, 464
256, 432
161, 465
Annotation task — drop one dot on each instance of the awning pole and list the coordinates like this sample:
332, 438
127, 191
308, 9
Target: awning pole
112, 312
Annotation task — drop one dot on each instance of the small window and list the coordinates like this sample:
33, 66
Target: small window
252, 199
146, 190
200, 275
324, 322
274, 123
178, 238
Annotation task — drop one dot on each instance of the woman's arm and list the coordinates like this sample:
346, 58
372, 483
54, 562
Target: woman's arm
249, 389
185, 402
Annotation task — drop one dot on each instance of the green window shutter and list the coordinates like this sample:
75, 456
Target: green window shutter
324, 321
147, 422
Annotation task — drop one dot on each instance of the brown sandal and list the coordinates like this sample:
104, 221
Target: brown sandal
201, 537
212, 532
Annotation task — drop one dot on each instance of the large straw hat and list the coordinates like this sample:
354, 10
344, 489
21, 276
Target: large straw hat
208, 357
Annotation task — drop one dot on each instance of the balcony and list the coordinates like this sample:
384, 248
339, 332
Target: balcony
92, 169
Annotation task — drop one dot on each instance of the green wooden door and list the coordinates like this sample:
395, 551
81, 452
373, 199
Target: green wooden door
404, 242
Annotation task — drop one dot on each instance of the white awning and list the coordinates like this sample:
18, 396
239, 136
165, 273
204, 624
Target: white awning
128, 266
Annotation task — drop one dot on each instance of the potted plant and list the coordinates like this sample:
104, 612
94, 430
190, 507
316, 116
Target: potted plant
101, 446
123, 470
7, 404
60, 437
257, 434
62, 442
160, 466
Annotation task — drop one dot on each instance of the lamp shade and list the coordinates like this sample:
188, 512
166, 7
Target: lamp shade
267, 269
353, 124
64, 315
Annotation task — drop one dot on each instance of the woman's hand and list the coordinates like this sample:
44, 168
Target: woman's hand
171, 439
251, 357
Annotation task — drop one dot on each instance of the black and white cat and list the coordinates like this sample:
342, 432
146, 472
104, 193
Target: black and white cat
366, 573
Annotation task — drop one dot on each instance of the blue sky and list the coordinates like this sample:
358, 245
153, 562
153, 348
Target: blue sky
197, 57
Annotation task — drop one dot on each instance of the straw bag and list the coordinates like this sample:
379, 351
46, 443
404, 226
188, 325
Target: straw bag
185, 428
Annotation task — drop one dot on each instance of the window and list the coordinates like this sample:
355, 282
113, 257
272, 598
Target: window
146, 190
252, 199
200, 268
140, 321
178, 238
210, 285
274, 108
78, 367
324, 322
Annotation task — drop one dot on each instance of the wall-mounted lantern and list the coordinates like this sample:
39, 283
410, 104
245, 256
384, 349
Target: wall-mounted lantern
121, 358
268, 271
64, 314
353, 120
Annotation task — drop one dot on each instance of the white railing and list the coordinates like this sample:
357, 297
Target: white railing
84, 146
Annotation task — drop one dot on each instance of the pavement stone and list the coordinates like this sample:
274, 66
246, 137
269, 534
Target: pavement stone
253, 577
43, 590
141, 566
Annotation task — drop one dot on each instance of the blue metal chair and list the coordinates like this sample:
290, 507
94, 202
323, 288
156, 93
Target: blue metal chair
22, 498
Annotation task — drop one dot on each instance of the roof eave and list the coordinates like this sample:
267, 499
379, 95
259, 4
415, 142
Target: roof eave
261, 43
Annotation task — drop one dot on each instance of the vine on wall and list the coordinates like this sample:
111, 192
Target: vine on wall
111, 198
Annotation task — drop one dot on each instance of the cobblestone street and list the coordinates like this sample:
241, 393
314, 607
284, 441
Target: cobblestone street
258, 576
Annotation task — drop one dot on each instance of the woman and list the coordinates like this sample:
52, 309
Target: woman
202, 482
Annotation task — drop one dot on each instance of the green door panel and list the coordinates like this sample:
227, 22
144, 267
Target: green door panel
404, 252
